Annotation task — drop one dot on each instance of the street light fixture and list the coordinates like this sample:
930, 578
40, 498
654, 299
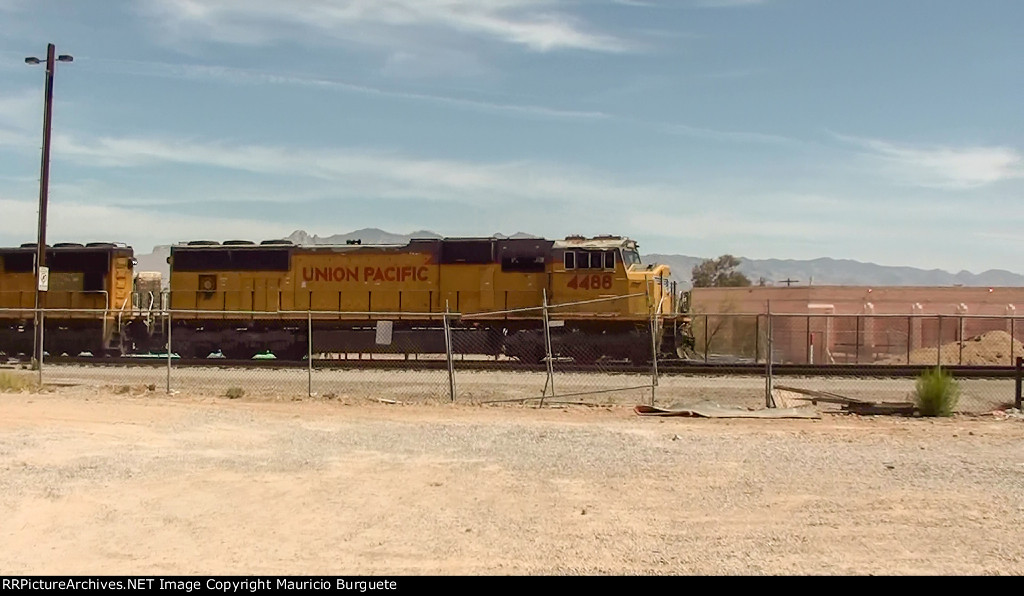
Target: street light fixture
44, 183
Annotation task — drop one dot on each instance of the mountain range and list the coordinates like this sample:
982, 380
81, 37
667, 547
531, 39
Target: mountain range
821, 271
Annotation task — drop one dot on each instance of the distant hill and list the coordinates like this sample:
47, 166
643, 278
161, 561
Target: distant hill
827, 271
822, 271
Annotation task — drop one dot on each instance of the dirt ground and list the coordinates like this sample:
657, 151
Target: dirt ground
145, 483
472, 386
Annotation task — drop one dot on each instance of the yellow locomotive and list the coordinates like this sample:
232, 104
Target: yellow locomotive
243, 298
90, 288
240, 298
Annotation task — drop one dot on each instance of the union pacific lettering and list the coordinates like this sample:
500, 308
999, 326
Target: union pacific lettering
406, 273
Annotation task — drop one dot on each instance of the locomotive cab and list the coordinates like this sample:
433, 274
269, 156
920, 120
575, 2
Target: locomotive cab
605, 272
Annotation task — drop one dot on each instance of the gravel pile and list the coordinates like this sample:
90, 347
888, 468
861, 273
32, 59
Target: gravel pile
993, 348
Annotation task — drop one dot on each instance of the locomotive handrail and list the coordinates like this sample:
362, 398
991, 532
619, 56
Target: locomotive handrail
1004, 317
305, 313
607, 299
484, 314
502, 312
120, 313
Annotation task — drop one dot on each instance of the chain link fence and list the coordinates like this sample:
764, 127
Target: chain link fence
560, 353
869, 357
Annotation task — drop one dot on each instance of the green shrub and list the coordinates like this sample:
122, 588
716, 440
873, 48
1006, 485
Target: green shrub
234, 392
937, 393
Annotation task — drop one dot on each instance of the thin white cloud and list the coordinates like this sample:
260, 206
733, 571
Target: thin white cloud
721, 225
728, 135
948, 167
539, 25
71, 221
21, 111
242, 76
726, 3
369, 173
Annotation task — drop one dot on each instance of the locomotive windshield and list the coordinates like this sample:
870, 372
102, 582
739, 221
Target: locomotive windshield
630, 257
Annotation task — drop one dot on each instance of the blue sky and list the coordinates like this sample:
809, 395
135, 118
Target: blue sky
878, 130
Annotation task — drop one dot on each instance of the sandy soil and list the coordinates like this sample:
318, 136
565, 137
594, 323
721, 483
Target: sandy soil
145, 483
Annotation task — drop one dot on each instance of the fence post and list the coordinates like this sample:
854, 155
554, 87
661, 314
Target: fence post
309, 351
654, 354
1012, 346
856, 341
757, 338
1017, 390
168, 352
769, 401
707, 337
910, 326
41, 317
449, 353
960, 359
547, 347
938, 344
809, 342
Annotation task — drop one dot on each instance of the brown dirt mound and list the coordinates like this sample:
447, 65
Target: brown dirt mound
988, 349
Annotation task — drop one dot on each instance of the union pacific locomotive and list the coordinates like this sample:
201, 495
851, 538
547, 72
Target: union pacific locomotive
93, 284
240, 298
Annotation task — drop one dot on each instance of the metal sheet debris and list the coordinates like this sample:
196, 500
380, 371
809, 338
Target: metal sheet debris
711, 410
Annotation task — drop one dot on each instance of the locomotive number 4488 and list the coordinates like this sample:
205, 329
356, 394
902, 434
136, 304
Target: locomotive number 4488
591, 282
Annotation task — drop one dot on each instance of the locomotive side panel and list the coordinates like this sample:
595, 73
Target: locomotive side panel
366, 279
524, 274
228, 280
590, 274
17, 278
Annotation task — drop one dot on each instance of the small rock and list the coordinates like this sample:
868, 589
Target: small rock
970, 432
890, 466
676, 437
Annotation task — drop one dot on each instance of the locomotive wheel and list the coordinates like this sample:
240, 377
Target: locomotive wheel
535, 355
640, 356
296, 351
529, 354
238, 352
584, 355
187, 351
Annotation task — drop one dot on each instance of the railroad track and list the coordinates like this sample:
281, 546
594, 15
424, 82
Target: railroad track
665, 367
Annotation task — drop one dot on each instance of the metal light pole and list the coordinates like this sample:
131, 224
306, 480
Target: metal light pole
44, 184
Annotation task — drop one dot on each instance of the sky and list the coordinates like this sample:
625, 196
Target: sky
888, 131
